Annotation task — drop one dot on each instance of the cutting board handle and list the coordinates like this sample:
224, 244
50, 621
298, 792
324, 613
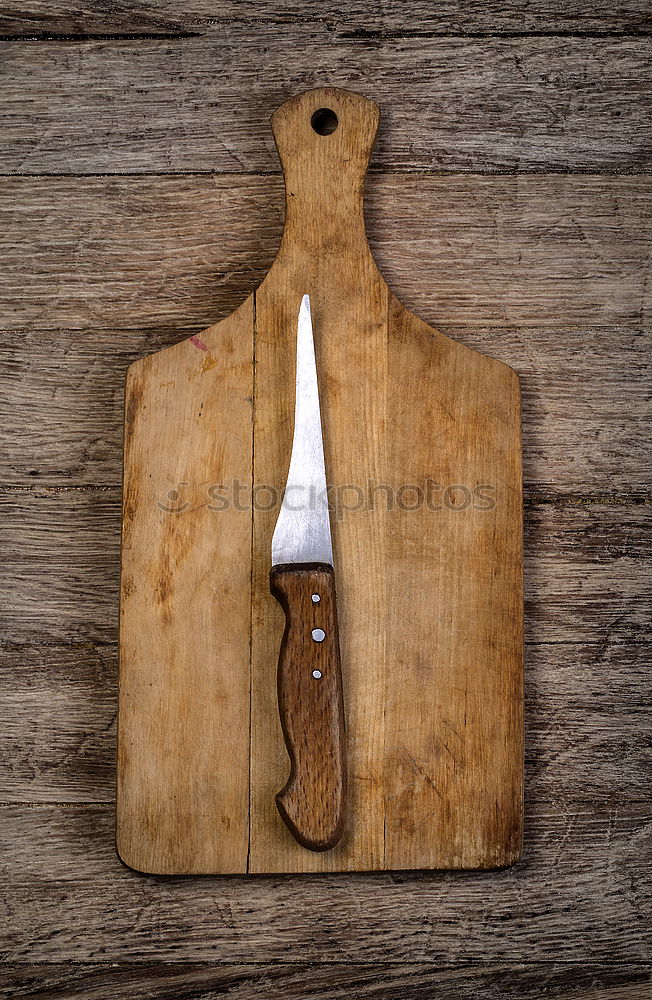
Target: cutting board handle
324, 139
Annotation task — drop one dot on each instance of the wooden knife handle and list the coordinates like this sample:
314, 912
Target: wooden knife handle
311, 705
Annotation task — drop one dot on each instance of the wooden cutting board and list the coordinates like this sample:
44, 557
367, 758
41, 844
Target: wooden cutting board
422, 446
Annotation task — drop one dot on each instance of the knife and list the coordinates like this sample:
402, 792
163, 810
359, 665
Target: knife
303, 582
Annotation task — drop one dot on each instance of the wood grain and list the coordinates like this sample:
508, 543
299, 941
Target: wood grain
420, 18
585, 568
183, 735
454, 696
329, 981
323, 253
413, 684
313, 802
586, 710
558, 264
550, 253
586, 873
61, 423
464, 104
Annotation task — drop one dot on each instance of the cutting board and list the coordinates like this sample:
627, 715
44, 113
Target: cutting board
423, 455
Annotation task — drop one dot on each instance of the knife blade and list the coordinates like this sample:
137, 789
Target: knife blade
302, 580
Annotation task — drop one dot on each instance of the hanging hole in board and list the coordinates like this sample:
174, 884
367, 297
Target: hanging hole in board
324, 121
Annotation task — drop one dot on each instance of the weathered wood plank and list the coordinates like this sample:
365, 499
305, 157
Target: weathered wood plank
43, 19
61, 404
526, 104
550, 252
587, 718
70, 582
580, 894
328, 981
70, 428
585, 580
201, 243
59, 704
585, 567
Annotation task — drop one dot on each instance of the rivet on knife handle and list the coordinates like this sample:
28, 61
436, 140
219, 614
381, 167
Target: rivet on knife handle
302, 579
311, 705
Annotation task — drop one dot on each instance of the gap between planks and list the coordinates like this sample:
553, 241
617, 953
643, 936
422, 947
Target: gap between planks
378, 171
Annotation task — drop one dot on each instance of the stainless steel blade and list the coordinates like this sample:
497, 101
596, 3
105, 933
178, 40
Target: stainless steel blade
303, 531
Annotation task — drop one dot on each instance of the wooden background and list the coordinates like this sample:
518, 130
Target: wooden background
507, 205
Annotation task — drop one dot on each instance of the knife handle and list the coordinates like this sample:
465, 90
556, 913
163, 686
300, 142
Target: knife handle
311, 705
